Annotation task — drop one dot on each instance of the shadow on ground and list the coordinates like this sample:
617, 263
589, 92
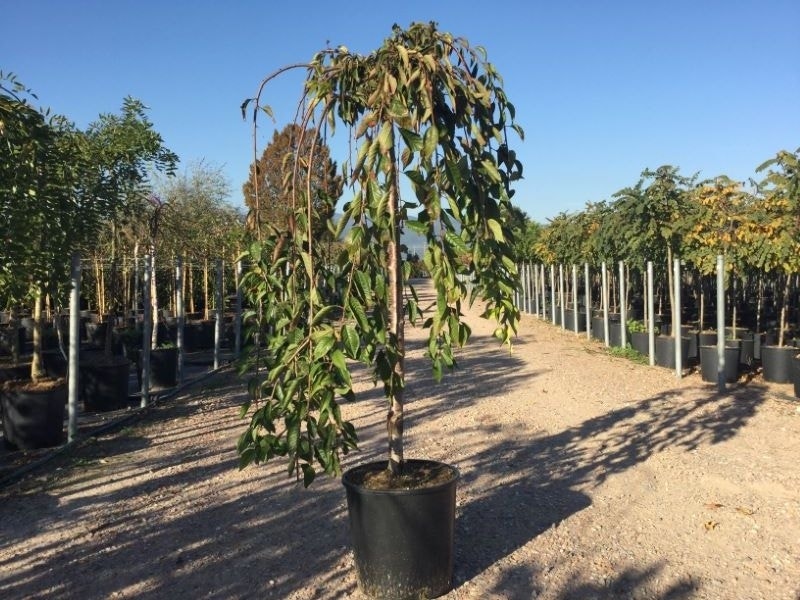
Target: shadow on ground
172, 531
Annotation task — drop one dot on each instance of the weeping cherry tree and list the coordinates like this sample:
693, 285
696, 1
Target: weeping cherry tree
426, 108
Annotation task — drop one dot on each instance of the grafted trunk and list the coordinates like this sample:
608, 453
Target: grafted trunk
37, 368
153, 299
394, 420
206, 303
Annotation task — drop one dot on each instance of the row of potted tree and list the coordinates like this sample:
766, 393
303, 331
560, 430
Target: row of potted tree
667, 216
64, 192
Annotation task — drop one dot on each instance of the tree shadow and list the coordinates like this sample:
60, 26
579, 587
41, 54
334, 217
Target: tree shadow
195, 529
521, 487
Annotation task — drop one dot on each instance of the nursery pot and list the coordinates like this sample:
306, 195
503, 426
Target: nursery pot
747, 356
706, 338
665, 351
569, 318
203, 332
640, 341
104, 384
694, 343
709, 362
796, 375
598, 328
402, 538
55, 365
164, 367
33, 414
777, 361
614, 332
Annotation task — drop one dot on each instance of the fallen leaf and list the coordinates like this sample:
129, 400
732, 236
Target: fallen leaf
709, 525
745, 511
714, 505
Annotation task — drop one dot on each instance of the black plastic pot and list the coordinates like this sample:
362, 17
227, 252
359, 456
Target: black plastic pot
15, 372
759, 339
706, 338
640, 341
796, 375
33, 418
569, 319
747, 356
164, 367
693, 353
55, 365
598, 329
104, 385
709, 362
202, 335
665, 351
776, 362
614, 332
402, 539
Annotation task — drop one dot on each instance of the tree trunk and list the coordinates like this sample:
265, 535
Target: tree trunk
153, 299
98, 283
784, 308
759, 302
702, 315
394, 420
734, 303
37, 368
207, 314
190, 285
13, 327
671, 290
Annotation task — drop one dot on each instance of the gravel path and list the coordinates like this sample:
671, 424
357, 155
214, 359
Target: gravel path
583, 476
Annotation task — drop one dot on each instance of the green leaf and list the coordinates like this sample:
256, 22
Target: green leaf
324, 344
488, 167
416, 226
385, 137
429, 142
496, 229
358, 312
338, 360
308, 474
350, 340
415, 176
292, 431
413, 140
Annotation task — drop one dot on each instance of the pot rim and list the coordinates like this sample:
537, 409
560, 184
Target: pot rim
351, 485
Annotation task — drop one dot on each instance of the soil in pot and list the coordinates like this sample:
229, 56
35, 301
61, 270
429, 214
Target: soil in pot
403, 536
33, 413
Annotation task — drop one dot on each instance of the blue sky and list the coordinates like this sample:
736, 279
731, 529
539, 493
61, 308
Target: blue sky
602, 89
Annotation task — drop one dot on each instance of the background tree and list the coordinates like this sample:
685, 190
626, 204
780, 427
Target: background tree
41, 176
778, 215
126, 149
526, 232
652, 213
200, 224
295, 156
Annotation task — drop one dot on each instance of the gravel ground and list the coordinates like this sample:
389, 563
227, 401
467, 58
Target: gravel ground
583, 476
